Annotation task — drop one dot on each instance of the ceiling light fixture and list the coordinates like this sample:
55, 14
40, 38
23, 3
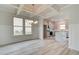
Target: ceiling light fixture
35, 22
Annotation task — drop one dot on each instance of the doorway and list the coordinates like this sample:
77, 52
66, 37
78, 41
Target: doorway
45, 31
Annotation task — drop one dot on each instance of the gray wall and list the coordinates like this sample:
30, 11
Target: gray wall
6, 32
6, 28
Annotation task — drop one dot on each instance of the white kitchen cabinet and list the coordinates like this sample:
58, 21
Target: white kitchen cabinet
60, 36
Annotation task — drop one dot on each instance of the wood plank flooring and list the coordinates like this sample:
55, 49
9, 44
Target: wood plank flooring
37, 47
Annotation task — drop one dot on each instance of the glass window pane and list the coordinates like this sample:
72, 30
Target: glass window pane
18, 30
28, 22
28, 30
18, 21
62, 27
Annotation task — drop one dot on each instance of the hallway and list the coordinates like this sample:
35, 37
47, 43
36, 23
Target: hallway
37, 47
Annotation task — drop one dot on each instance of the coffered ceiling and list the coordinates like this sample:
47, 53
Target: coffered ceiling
43, 10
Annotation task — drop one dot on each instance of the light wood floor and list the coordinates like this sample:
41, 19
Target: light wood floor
37, 47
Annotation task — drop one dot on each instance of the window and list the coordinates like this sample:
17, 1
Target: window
62, 27
28, 26
22, 27
18, 26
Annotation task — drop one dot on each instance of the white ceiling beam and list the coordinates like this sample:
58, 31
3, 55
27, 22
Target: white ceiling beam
54, 8
20, 8
66, 6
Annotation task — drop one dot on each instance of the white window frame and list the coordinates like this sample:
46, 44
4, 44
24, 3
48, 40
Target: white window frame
23, 27
17, 26
28, 26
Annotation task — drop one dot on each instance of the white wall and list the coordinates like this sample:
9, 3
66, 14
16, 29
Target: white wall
72, 13
74, 36
6, 28
41, 28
